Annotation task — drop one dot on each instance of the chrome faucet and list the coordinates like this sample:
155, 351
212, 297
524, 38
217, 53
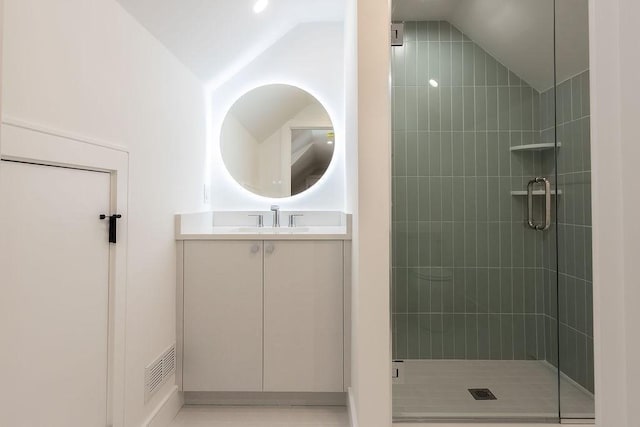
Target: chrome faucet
276, 215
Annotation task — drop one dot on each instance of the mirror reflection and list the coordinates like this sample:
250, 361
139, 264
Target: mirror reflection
277, 141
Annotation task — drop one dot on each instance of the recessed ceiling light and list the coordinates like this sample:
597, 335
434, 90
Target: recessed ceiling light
433, 83
260, 6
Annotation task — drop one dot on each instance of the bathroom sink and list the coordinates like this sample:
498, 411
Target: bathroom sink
270, 230
237, 226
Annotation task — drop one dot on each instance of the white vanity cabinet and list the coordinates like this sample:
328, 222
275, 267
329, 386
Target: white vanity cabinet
222, 316
264, 315
303, 316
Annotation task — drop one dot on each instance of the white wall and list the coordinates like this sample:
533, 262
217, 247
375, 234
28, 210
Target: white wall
1, 61
351, 104
240, 153
351, 159
608, 236
310, 57
629, 66
86, 67
616, 242
272, 164
312, 116
615, 61
371, 345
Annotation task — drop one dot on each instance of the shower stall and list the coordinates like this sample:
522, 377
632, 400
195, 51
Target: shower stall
492, 301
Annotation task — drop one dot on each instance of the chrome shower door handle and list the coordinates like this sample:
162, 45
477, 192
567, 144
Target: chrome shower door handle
547, 204
530, 220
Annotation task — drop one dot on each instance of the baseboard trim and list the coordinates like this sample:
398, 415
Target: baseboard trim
498, 422
351, 408
166, 410
265, 398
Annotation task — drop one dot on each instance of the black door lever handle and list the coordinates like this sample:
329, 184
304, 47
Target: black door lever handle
103, 216
112, 226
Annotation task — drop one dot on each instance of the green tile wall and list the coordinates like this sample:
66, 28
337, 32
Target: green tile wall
574, 292
468, 275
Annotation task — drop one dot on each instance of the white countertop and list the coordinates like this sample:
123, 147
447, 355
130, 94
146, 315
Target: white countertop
219, 226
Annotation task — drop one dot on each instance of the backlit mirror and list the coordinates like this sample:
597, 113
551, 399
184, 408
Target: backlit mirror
277, 141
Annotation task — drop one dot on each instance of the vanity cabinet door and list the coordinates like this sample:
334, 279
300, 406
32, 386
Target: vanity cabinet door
303, 316
222, 316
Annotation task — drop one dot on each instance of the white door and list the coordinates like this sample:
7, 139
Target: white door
54, 277
303, 316
222, 316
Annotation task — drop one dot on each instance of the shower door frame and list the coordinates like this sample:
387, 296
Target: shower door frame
554, 195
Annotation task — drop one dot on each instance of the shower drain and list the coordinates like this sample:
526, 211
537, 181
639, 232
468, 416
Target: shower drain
482, 394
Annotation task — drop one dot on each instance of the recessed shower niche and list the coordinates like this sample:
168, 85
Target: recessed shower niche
491, 281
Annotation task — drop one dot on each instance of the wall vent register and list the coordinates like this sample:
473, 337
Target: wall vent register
157, 373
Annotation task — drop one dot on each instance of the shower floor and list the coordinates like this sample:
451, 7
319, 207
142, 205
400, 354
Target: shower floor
438, 389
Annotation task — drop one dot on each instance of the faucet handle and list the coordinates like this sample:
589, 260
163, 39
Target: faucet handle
292, 219
276, 215
260, 220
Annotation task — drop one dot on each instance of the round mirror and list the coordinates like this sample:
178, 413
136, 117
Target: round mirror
277, 141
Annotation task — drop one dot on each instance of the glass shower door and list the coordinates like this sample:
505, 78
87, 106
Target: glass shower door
470, 334
476, 236
573, 267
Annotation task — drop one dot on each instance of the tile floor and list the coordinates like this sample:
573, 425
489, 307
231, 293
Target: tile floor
438, 389
258, 416
429, 389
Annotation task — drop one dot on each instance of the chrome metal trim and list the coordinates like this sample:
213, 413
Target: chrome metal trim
530, 220
547, 203
292, 220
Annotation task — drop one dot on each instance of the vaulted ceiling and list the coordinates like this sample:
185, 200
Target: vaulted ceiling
266, 109
212, 36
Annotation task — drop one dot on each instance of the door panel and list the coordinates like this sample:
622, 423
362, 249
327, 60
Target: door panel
222, 316
304, 316
54, 266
